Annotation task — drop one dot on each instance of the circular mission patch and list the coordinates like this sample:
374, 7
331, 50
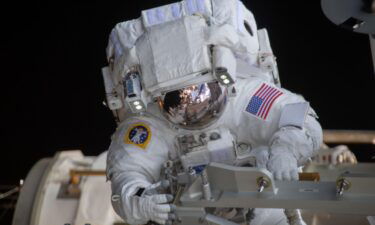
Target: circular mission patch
139, 135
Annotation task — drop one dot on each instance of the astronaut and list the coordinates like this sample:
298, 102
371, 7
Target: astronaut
189, 68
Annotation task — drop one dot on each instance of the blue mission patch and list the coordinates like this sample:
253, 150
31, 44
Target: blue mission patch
139, 135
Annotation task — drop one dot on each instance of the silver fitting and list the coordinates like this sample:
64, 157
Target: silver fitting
342, 185
263, 183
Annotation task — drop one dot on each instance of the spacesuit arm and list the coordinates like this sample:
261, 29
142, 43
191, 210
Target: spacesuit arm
133, 166
303, 142
292, 145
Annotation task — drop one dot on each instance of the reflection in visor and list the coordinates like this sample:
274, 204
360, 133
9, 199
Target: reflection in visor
195, 106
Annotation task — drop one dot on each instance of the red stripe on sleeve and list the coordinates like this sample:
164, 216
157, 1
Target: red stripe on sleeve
273, 100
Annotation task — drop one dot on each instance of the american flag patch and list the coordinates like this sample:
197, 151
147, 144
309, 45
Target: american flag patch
262, 101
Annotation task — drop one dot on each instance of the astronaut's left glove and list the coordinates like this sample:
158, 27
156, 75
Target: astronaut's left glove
283, 164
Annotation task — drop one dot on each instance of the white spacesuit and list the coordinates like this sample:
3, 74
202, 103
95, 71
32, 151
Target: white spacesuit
191, 68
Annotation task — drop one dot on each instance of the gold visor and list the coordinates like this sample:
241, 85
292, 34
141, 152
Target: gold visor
196, 106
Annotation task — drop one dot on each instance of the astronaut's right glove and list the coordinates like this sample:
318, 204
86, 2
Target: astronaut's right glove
150, 208
283, 164
145, 205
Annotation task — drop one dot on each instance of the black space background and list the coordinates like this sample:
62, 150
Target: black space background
52, 89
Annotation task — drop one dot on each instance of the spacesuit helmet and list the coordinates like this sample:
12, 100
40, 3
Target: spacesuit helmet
211, 38
195, 106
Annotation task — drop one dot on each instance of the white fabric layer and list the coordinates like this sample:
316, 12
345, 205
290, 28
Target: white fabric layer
269, 217
175, 11
123, 37
301, 143
233, 12
223, 58
282, 164
294, 115
167, 58
130, 167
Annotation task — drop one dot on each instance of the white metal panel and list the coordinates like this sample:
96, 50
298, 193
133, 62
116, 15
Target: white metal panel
56, 211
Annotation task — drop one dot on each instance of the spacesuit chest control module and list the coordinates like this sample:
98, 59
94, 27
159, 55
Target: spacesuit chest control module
190, 84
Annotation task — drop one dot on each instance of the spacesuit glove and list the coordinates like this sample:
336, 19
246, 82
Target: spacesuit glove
156, 187
261, 155
282, 164
142, 209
